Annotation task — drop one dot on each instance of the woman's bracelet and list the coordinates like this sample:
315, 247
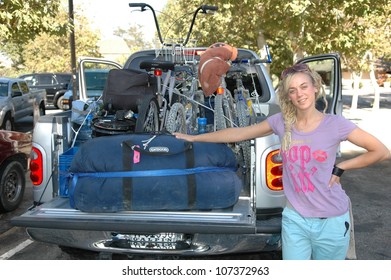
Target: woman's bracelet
337, 171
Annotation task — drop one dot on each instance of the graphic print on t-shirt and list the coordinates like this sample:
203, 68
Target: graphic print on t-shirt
298, 160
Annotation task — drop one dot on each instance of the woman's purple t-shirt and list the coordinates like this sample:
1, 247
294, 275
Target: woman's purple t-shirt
308, 164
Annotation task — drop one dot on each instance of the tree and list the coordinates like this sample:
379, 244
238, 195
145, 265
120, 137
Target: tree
133, 37
22, 20
51, 52
292, 28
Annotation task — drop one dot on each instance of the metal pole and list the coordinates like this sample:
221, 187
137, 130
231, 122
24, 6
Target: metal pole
73, 48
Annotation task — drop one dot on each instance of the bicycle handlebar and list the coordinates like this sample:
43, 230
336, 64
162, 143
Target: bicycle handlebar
143, 6
203, 8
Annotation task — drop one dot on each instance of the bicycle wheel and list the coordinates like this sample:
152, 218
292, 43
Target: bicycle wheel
219, 118
176, 120
229, 109
243, 114
148, 116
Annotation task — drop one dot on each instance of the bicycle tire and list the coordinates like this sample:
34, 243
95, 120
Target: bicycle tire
229, 110
219, 119
148, 116
243, 120
176, 120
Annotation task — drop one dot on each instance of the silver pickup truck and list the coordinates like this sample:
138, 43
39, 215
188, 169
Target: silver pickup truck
252, 224
17, 101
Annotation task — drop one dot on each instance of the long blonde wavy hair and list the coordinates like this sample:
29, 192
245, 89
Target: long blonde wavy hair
287, 108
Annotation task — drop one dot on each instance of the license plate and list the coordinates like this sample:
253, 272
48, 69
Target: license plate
159, 241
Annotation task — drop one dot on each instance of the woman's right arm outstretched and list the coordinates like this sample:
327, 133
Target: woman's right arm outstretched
229, 135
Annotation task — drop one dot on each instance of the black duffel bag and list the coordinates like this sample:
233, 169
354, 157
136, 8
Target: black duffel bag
126, 89
152, 172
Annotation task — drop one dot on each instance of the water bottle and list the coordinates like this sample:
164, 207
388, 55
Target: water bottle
85, 132
202, 125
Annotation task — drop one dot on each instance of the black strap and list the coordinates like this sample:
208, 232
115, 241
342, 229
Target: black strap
191, 181
127, 182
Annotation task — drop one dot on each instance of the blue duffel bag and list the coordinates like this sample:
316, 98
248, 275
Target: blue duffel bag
152, 172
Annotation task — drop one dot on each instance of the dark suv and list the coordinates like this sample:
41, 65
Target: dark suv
56, 85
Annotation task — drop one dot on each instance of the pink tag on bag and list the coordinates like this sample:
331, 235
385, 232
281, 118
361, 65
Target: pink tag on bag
136, 155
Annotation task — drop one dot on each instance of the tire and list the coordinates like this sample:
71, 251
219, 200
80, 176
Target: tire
148, 117
12, 185
219, 119
8, 123
58, 104
224, 111
229, 110
243, 115
176, 120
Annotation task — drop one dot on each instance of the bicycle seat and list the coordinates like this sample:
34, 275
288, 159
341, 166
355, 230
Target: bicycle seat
150, 65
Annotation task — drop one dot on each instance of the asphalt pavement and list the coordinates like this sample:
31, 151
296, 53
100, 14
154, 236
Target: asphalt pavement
369, 188
374, 121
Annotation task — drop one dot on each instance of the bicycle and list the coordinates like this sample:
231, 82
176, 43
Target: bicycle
237, 109
173, 117
171, 114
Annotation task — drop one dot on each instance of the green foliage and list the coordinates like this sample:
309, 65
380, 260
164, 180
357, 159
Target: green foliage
133, 37
22, 20
51, 51
34, 33
292, 28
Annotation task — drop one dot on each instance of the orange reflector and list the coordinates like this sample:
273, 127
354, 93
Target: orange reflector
158, 72
274, 171
220, 90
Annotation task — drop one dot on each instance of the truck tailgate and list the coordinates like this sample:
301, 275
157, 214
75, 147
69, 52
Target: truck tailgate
57, 214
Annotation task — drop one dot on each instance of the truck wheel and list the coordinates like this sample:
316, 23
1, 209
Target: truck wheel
8, 122
59, 102
12, 185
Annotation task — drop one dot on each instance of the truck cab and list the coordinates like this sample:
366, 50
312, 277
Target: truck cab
17, 101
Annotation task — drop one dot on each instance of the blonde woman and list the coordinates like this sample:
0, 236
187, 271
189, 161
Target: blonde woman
315, 221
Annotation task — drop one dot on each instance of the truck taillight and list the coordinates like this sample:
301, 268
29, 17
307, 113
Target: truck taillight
274, 171
36, 166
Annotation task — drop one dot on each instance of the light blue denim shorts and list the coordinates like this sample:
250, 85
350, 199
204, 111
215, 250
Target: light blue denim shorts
314, 238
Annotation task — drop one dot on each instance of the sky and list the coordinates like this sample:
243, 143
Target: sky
108, 15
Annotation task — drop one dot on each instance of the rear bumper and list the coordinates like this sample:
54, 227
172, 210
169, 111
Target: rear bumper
192, 245
201, 232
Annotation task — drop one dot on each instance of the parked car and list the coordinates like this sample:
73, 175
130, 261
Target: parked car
15, 152
17, 101
95, 80
55, 84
